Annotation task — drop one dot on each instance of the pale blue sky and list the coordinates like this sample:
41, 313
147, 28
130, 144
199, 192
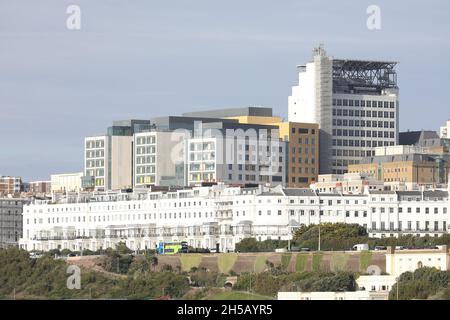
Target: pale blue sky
145, 58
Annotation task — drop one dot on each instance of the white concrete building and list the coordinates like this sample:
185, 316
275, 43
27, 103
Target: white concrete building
400, 261
345, 295
348, 183
400, 150
205, 216
376, 283
445, 130
156, 156
355, 104
66, 182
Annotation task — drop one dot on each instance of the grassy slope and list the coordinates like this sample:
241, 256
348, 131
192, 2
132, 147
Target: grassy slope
339, 262
260, 263
226, 261
301, 262
365, 259
317, 261
188, 261
285, 259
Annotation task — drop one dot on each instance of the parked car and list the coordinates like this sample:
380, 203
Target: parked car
400, 248
71, 255
305, 249
360, 247
379, 248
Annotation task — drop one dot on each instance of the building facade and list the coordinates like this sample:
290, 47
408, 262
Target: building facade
10, 185
96, 160
224, 215
410, 166
157, 156
426, 139
40, 187
444, 131
302, 141
108, 159
348, 183
237, 154
400, 261
302, 149
66, 182
10, 221
355, 104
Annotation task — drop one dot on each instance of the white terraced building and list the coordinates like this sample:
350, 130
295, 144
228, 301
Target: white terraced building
224, 215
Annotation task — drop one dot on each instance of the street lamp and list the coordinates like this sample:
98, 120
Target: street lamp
318, 247
397, 285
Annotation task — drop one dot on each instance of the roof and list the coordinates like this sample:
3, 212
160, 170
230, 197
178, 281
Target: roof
263, 194
409, 193
427, 194
381, 192
435, 194
414, 157
245, 222
232, 112
297, 192
414, 137
363, 64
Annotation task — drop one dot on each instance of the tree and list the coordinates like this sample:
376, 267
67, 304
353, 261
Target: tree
123, 249
247, 245
420, 284
154, 262
333, 236
342, 281
252, 245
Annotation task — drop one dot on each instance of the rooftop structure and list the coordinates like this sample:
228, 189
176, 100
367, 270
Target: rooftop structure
232, 112
421, 138
363, 76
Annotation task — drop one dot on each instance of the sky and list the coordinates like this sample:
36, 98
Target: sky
144, 58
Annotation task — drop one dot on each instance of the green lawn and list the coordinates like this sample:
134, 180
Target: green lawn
226, 261
317, 261
301, 262
285, 259
238, 295
260, 263
188, 261
339, 262
365, 259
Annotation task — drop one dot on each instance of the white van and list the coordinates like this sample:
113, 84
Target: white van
360, 247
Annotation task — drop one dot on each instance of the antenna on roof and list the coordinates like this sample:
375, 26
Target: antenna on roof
320, 50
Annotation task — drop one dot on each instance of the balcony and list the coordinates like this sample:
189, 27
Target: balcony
425, 230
